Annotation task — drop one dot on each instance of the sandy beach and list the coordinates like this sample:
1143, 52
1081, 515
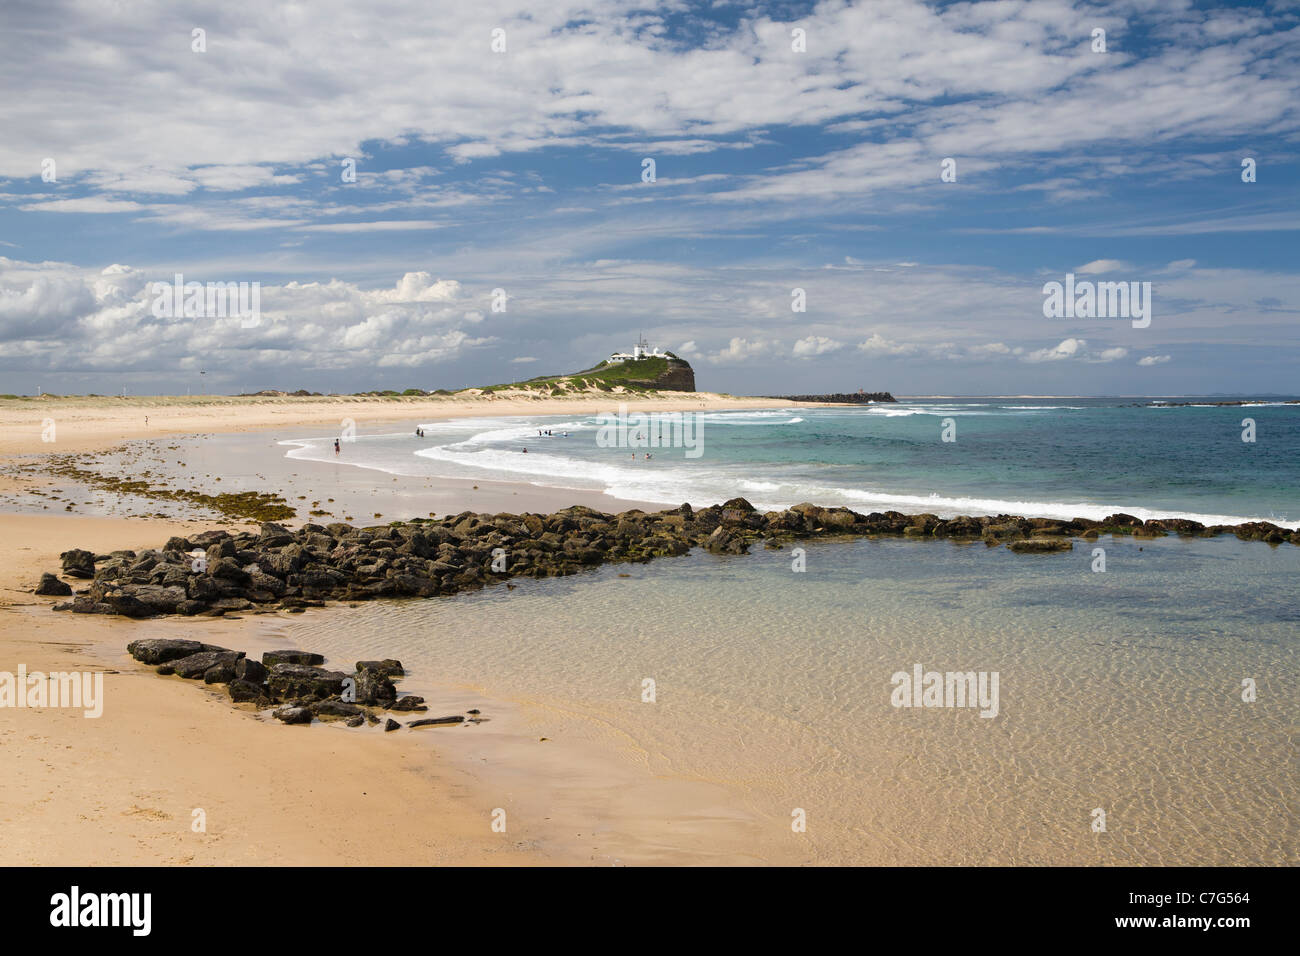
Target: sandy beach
83, 423
122, 789
770, 706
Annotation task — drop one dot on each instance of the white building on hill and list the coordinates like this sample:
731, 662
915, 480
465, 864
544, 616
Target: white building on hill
639, 351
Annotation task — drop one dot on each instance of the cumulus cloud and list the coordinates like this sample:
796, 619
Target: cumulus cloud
45, 308
879, 345
417, 287
1068, 349
1075, 349
815, 345
741, 350
1148, 360
109, 315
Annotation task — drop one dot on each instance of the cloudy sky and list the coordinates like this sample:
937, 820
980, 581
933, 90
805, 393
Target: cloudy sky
795, 146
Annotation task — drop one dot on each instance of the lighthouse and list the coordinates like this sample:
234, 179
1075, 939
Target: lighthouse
639, 351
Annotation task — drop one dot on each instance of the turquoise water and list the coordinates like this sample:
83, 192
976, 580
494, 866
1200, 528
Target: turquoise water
1053, 458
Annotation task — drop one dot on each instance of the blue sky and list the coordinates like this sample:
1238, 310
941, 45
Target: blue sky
776, 169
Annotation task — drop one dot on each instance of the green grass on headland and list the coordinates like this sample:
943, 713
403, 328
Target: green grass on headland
638, 376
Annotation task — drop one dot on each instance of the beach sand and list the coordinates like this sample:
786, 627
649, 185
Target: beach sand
124, 788
87, 424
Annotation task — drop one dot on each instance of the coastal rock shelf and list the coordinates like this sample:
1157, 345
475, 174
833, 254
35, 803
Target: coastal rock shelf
215, 573
293, 682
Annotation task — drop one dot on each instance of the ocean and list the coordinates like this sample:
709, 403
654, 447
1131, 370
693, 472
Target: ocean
1035, 457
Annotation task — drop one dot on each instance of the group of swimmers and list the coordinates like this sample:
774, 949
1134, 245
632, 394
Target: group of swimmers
547, 434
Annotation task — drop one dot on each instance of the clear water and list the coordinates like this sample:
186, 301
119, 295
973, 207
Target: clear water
1051, 458
1119, 691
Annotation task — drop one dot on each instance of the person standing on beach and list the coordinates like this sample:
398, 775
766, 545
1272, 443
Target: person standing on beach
336, 446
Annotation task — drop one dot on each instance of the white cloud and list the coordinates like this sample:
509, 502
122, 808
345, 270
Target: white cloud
971, 80
991, 349
1148, 360
417, 287
815, 345
1075, 349
1068, 349
389, 225
1098, 266
878, 345
88, 204
741, 350
336, 324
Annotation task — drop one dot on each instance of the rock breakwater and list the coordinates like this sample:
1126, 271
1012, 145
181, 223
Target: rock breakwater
276, 569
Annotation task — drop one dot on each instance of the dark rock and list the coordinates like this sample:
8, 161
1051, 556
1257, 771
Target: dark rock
159, 650
336, 710
387, 667
232, 604
194, 666
298, 680
391, 724
222, 672
356, 721
409, 703
128, 605
52, 586
247, 669
310, 658
436, 721
722, 541
1121, 520
159, 599
242, 691
374, 688
1039, 545
293, 715
274, 536
78, 563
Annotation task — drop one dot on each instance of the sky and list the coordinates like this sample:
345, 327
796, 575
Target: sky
844, 195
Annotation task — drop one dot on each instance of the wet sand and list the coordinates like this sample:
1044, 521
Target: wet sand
123, 788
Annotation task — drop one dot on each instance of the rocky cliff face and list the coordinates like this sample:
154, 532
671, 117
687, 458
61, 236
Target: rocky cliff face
678, 377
